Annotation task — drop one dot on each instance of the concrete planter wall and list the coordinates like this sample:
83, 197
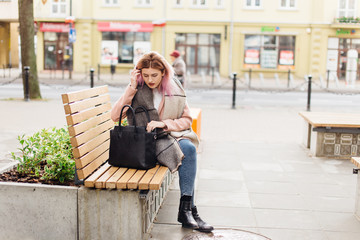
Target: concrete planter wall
42, 212
34, 211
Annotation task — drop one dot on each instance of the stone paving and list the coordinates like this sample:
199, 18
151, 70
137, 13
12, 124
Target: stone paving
253, 173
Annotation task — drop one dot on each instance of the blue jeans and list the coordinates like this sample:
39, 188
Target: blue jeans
187, 170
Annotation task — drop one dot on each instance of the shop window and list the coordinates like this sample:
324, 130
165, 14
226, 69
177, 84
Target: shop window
269, 51
200, 51
111, 3
338, 58
199, 3
287, 4
252, 3
347, 8
219, 3
58, 7
143, 3
178, 3
123, 47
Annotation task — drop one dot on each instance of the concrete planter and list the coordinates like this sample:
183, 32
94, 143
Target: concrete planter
36, 211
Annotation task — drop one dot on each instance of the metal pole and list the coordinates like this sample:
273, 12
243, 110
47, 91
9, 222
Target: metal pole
212, 74
288, 84
27, 93
234, 90
250, 70
98, 72
92, 77
309, 94
328, 78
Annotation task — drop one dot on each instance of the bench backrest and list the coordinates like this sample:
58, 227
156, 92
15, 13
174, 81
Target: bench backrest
89, 123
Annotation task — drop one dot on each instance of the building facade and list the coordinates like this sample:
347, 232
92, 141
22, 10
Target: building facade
9, 51
268, 36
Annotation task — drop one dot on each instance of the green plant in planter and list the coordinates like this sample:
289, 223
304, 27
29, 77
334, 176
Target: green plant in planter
48, 147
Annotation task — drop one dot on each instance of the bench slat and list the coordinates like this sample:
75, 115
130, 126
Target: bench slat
87, 114
331, 119
83, 126
134, 180
356, 161
90, 181
122, 182
82, 94
86, 171
88, 135
85, 104
92, 155
100, 182
145, 181
91, 145
155, 183
111, 182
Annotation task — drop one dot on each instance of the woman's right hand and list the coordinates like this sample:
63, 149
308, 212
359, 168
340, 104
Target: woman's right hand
134, 75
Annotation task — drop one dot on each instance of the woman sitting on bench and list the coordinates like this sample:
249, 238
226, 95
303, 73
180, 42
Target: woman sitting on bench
165, 99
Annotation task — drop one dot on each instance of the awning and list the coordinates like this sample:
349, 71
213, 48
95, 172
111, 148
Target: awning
125, 27
54, 27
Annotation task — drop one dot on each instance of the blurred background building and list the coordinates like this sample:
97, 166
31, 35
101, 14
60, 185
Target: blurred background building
225, 36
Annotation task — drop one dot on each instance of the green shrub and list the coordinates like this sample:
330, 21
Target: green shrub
50, 148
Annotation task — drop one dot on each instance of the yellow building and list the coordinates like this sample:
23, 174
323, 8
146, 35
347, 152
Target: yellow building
9, 53
267, 36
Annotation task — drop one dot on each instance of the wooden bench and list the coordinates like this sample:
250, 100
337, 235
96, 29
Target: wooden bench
128, 199
329, 134
89, 123
356, 162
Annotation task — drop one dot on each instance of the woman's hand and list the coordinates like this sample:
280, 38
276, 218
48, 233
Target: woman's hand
134, 75
154, 124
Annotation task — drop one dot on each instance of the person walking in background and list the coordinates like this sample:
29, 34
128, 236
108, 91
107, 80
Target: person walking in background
179, 66
152, 85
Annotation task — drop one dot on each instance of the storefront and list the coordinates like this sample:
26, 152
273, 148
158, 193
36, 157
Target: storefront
343, 57
56, 45
124, 42
269, 51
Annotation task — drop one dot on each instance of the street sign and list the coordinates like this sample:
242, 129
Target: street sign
72, 35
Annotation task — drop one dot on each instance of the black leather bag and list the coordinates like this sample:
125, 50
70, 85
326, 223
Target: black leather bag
132, 146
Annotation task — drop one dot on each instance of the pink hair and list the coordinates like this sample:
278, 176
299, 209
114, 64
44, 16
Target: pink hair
156, 61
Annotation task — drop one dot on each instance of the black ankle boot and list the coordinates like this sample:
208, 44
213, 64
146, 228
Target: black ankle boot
185, 216
203, 226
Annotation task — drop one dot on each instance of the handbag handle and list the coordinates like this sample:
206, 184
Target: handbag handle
145, 110
133, 112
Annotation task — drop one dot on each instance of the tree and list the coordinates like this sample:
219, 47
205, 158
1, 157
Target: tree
28, 57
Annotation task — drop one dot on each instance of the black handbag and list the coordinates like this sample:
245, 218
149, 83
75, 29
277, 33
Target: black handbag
132, 146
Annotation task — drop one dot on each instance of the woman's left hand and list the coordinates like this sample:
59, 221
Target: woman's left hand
154, 124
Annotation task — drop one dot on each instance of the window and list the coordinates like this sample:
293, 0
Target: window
347, 8
338, 60
219, 3
111, 3
178, 3
199, 3
288, 4
252, 3
200, 51
124, 42
58, 7
269, 51
143, 3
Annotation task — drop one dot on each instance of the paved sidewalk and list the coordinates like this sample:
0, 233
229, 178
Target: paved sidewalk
253, 173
